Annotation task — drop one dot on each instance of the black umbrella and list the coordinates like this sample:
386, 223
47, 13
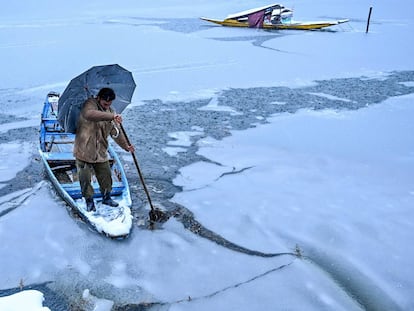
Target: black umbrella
88, 84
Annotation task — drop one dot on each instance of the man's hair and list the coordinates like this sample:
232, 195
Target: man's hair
106, 93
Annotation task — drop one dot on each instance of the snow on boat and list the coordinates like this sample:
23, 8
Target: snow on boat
274, 16
56, 151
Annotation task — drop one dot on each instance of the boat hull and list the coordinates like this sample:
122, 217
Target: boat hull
292, 25
56, 153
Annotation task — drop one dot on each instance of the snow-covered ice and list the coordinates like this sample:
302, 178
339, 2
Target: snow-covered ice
335, 184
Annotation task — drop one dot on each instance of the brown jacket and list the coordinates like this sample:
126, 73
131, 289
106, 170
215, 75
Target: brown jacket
94, 127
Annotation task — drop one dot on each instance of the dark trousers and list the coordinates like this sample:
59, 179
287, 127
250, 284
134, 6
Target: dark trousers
102, 171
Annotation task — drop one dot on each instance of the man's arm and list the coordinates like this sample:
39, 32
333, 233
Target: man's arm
90, 112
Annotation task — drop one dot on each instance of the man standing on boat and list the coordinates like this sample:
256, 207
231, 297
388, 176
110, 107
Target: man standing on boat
96, 122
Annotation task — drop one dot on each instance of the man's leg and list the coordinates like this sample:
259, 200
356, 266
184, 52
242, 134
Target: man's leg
85, 174
104, 177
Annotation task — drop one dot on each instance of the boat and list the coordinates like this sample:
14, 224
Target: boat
56, 153
273, 16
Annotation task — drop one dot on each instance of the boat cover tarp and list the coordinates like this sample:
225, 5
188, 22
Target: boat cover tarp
256, 19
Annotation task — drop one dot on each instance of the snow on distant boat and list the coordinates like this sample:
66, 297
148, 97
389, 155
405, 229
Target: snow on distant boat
56, 151
274, 16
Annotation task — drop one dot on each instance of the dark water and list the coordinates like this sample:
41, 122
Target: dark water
148, 127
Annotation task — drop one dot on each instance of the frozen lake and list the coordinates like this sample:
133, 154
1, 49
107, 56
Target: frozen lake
261, 145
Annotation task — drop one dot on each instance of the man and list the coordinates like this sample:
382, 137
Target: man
96, 122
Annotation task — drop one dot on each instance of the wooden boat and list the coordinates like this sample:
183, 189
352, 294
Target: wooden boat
274, 16
56, 151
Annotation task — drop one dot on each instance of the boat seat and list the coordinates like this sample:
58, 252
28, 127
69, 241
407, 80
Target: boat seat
59, 156
51, 125
65, 158
74, 191
60, 138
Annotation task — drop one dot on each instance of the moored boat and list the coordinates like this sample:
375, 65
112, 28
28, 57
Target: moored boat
56, 152
274, 16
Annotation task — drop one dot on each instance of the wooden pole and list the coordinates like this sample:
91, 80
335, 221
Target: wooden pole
141, 177
369, 17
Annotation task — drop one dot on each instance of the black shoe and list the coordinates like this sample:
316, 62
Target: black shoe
90, 205
108, 201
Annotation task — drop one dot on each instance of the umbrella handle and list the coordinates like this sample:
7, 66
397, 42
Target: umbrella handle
117, 131
141, 177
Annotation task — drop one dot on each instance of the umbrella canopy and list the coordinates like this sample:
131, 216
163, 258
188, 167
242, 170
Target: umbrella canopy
87, 85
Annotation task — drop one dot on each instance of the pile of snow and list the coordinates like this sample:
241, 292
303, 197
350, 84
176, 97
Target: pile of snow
28, 300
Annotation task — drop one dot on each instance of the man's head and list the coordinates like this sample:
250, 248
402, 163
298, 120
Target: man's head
107, 94
105, 97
